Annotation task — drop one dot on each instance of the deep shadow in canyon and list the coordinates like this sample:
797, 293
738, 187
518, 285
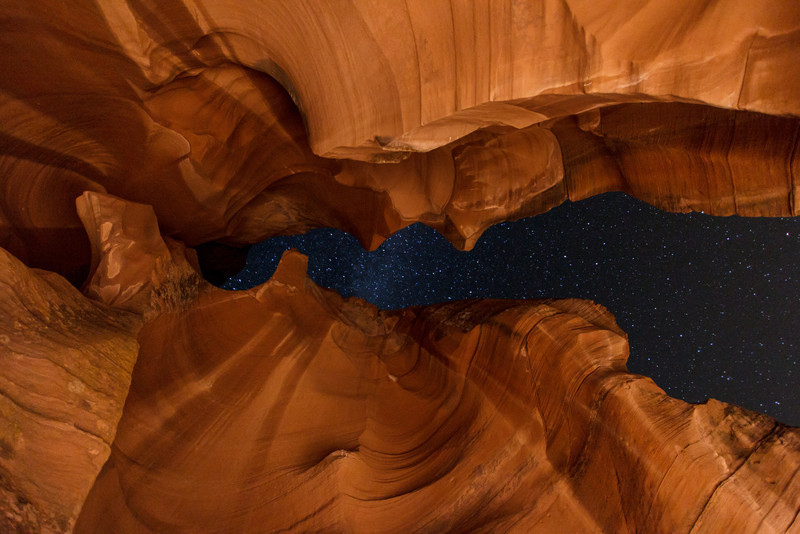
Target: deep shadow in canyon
710, 304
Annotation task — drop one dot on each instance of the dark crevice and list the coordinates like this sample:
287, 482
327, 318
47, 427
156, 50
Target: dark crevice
710, 304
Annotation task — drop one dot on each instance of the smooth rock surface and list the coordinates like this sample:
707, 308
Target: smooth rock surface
132, 130
216, 114
286, 407
134, 268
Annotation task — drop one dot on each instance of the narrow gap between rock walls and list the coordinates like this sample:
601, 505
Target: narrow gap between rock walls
711, 305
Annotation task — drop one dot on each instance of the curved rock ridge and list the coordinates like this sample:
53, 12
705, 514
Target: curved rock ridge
134, 267
289, 407
286, 407
131, 130
66, 360
489, 111
367, 76
65, 368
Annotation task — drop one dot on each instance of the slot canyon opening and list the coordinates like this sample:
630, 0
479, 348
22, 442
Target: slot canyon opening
143, 141
710, 304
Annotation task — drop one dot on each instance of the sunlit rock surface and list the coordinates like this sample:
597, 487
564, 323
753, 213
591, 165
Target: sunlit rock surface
131, 130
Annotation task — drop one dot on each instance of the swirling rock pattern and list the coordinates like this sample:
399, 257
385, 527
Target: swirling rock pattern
287, 407
490, 111
129, 130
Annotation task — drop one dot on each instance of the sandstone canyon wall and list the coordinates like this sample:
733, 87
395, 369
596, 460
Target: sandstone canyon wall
130, 130
216, 114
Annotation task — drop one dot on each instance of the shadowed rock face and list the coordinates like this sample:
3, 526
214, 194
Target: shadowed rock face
316, 413
130, 130
65, 367
490, 111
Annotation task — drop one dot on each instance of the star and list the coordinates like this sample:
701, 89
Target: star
696, 294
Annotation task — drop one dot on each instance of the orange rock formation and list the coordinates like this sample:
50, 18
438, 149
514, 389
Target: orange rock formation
287, 407
493, 110
131, 129
65, 369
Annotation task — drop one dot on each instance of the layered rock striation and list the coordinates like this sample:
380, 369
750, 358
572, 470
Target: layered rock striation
65, 369
237, 123
288, 408
131, 130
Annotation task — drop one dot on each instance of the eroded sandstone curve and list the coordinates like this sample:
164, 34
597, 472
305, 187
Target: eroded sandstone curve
289, 407
286, 407
488, 111
66, 358
65, 368
131, 130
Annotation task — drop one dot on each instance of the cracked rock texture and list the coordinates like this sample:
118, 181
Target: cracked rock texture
132, 131
65, 368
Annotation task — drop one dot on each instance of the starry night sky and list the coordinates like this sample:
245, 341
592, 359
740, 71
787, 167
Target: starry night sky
711, 305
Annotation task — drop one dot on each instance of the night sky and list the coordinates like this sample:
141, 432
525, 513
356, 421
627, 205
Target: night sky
711, 305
